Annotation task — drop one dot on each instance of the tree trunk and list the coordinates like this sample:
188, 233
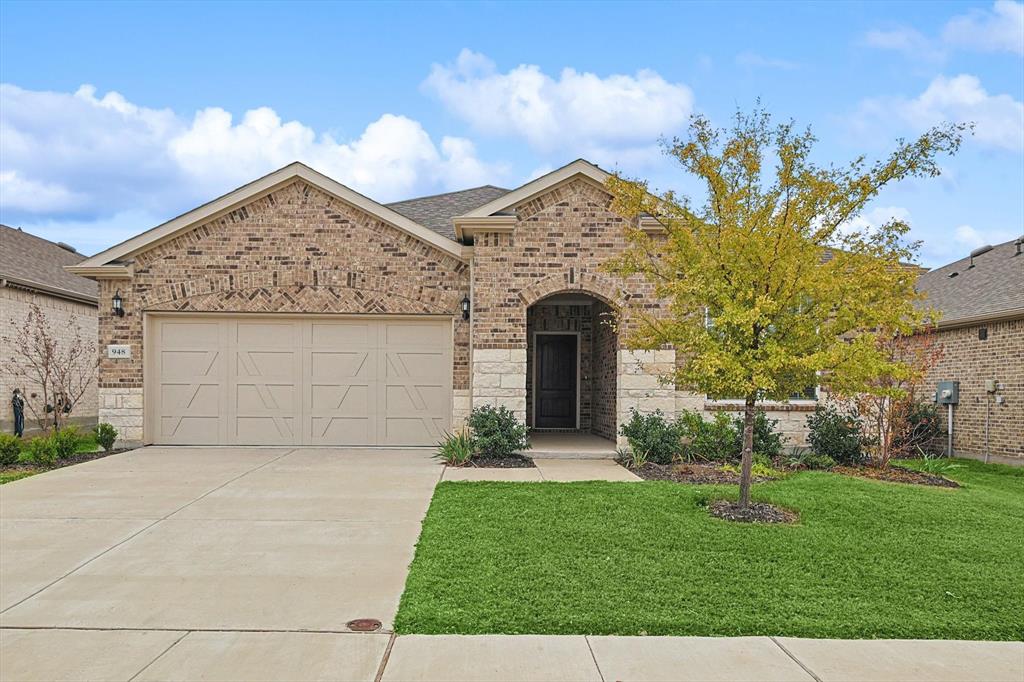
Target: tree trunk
747, 454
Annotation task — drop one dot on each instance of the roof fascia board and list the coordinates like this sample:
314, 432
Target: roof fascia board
467, 227
998, 316
101, 271
542, 184
262, 187
49, 290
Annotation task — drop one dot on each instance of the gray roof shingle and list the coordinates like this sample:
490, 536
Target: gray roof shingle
994, 285
436, 211
27, 259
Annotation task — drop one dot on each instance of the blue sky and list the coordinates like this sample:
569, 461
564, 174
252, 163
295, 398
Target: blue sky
116, 117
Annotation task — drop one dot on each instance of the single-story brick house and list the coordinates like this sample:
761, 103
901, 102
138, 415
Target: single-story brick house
32, 272
981, 334
294, 310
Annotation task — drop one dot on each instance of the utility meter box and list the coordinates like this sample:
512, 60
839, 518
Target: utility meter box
947, 393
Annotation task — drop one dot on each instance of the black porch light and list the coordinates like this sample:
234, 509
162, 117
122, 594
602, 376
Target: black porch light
465, 307
117, 304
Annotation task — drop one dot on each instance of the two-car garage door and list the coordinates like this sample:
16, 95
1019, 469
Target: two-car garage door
298, 381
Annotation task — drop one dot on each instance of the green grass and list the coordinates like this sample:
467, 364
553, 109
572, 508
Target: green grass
8, 476
867, 560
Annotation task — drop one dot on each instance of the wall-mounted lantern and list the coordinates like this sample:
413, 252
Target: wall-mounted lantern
117, 304
465, 307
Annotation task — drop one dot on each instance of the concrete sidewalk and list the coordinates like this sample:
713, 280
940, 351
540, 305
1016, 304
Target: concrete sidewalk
61, 654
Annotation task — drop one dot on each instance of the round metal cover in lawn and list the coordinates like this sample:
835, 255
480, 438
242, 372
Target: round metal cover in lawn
363, 624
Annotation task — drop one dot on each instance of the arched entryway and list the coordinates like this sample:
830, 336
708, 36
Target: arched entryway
571, 371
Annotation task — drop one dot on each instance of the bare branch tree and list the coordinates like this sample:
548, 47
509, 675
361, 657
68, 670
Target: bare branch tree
55, 375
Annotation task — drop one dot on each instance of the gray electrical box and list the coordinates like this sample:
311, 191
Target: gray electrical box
947, 393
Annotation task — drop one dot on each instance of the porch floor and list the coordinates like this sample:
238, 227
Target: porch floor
570, 445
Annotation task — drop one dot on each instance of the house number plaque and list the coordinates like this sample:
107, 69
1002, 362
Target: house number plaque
117, 352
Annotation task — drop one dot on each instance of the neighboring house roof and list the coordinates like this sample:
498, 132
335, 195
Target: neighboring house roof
108, 260
438, 210
992, 289
34, 263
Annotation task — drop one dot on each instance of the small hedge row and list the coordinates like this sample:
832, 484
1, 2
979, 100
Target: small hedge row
47, 451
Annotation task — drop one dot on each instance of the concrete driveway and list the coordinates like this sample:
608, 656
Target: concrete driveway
209, 539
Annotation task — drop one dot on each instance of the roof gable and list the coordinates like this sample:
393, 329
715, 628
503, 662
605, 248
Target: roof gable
544, 183
256, 189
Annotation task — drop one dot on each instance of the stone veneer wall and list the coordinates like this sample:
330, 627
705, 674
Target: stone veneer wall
62, 317
559, 242
295, 250
969, 360
604, 371
562, 318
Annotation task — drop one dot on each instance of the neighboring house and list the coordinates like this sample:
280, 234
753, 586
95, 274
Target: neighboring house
32, 272
981, 333
297, 311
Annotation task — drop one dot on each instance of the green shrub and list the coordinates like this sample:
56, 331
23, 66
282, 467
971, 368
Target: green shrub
837, 434
758, 469
767, 441
497, 432
652, 437
10, 448
66, 442
40, 451
938, 465
710, 440
805, 458
106, 435
629, 458
456, 448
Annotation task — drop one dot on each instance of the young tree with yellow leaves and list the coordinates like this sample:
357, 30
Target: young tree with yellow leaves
767, 285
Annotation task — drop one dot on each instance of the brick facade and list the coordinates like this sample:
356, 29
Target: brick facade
970, 360
557, 245
63, 316
295, 250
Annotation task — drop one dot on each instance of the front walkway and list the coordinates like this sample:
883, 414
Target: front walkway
247, 564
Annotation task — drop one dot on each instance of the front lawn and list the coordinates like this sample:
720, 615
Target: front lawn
866, 560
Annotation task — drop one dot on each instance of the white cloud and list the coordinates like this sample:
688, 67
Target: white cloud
589, 115
960, 241
1001, 29
905, 40
999, 118
874, 218
755, 61
77, 156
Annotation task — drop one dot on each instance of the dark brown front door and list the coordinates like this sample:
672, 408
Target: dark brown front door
555, 392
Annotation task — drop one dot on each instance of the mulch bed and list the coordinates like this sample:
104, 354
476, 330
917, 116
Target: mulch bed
757, 512
77, 458
690, 473
516, 462
896, 474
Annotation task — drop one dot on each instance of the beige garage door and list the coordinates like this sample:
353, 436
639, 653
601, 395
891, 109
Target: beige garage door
298, 381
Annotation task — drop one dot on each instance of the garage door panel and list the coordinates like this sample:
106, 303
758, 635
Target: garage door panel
334, 430
186, 334
190, 429
342, 365
264, 430
341, 334
300, 381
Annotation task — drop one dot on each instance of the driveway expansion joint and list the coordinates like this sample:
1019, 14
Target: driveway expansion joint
159, 656
795, 659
